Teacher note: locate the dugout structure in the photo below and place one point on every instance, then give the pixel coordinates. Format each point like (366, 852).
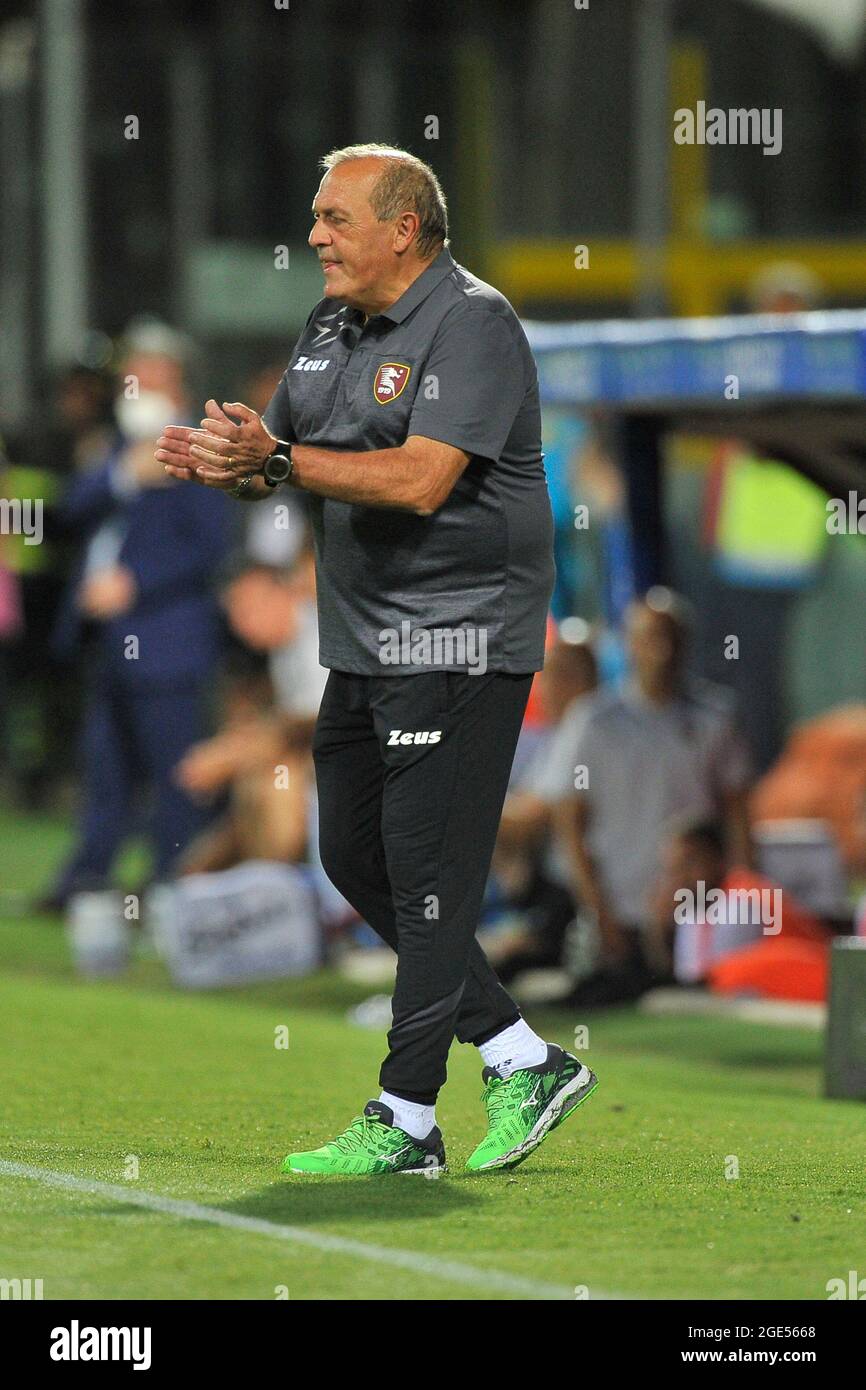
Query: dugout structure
(793, 387)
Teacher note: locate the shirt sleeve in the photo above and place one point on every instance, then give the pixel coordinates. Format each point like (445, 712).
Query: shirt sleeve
(278, 413)
(589, 754)
(553, 776)
(473, 384)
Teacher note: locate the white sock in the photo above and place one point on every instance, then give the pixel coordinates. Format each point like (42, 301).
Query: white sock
(415, 1119)
(515, 1047)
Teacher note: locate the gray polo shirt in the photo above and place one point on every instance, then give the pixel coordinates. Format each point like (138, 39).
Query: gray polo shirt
(450, 361)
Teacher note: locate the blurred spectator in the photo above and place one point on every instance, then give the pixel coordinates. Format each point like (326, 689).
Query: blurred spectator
(266, 774)
(664, 746)
(764, 527)
(140, 609)
(261, 758)
(530, 875)
(80, 418)
(705, 912)
(276, 527)
(41, 703)
(599, 487)
(11, 618)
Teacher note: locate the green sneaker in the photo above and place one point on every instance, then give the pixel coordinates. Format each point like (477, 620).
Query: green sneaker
(373, 1144)
(523, 1109)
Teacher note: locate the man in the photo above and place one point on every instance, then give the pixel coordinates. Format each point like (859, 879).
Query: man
(663, 747)
(410, 416)
(142, 602)
(732, 928)
(529, 868)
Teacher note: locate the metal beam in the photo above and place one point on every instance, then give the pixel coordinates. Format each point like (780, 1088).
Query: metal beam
(65, 304)
(17, 41)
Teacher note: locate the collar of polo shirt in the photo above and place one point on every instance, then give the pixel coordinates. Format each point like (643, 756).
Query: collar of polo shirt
(420, 288)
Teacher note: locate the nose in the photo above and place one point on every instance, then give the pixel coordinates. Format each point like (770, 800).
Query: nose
(318, 236)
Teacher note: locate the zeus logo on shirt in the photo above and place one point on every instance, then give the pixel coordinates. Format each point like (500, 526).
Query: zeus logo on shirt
(423, 736)
(311, 364)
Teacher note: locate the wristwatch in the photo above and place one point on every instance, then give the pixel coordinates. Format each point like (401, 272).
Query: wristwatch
(278, 468)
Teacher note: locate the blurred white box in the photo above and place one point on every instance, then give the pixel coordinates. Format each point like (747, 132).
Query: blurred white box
(802, 856)
(258, 921)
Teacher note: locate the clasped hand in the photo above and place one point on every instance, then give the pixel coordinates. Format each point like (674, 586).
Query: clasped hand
(222, 450)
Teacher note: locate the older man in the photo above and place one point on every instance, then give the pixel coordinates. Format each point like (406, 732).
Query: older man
(409, 413)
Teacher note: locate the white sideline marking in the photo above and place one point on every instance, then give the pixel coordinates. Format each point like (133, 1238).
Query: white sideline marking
(451, 1270)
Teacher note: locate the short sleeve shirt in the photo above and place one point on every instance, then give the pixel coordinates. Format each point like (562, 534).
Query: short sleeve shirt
(551, 776)
(645, 767)
(450, 361)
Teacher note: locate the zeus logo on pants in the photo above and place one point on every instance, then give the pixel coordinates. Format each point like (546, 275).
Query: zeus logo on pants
(424, 736)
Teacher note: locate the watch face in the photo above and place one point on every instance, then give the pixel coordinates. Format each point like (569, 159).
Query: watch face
(277, 468)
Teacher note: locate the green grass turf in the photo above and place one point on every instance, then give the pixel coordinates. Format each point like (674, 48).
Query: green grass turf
(629, 1196)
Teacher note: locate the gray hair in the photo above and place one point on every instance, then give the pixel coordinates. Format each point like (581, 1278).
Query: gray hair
(405, 182)
(150, 335)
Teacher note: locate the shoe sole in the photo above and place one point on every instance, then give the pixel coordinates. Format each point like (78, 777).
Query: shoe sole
(426, 1172)
(563, 1104)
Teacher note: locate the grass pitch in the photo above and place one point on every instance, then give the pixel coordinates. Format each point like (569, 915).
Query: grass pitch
(633, 1195)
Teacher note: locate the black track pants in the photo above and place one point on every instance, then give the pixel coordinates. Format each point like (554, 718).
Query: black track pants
(412, 773)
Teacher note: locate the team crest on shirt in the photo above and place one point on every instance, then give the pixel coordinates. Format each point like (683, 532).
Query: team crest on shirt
(389, 381)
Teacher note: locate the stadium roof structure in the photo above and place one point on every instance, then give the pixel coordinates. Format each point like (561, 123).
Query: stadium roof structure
(793, 386)
(840, 25)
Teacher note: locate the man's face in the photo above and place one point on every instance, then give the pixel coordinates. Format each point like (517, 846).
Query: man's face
(652, 642)
(154, 371)
(355, 249)
(564, 677)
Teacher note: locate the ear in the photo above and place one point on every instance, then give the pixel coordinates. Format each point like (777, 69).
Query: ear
(405, 230)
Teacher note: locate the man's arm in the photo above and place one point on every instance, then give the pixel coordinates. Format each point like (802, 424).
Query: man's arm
(732, 777)
(525, 818)
(571, 822)
(481, 382)
(739, 831)
(414, 477)
(482, 379)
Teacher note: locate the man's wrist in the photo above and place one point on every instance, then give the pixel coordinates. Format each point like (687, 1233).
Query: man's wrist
(247, 489)
(279, 465)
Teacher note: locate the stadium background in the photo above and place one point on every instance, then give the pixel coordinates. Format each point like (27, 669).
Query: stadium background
(155, 158)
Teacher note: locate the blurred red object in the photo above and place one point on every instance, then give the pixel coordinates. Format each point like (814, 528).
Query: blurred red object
(822, 776)
(535, 718)
(794, 969)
